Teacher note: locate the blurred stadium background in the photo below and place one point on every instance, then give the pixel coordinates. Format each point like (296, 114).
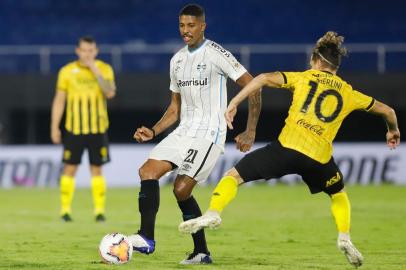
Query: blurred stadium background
(264, 228)
(139, 37)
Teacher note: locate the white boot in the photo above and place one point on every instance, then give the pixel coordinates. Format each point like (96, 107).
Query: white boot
(211, 219)
(352, 254)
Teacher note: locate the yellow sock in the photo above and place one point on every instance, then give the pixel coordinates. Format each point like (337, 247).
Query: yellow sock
(341, 208)
(224, 192)
(99, 194)
(67, 188)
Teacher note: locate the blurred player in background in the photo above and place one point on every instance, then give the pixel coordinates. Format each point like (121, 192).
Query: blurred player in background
(321, 102)
(198, 74)
(83, 86)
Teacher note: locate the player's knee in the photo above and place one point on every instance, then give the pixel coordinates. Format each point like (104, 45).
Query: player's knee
(330, 193)
(180, 193)
(69, 170)
(95, 170)
(234, 173)
(145, 172)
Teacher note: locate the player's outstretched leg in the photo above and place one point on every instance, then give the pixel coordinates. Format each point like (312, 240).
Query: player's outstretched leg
(341, 209)
(200, 255)
(148, 203)
(222, 195)
(182, 190)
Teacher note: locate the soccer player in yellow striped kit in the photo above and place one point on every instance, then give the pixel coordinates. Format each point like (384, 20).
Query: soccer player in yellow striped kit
(83, 87)
(321, 101)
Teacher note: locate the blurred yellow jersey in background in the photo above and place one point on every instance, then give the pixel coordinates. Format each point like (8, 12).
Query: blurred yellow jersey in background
(86, 108)
(321, 101)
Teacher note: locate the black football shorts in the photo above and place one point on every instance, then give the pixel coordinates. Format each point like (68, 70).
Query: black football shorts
(96, 144)
(275, 161)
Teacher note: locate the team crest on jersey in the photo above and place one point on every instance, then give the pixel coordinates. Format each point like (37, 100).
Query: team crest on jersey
(201, 67)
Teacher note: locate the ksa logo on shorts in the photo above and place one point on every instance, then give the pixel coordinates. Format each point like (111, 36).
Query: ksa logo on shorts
(333, 180)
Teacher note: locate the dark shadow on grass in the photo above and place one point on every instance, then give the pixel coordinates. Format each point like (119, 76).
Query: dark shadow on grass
(24, 265)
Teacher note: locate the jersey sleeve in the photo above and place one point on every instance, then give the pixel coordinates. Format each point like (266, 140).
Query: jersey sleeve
(173, 85)
(361, 101)
(290, 79)
(227, 63)
(62, 83)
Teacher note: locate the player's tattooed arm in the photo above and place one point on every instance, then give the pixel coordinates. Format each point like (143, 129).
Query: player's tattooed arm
(274, 79)
(254, 110)
(246, 139)
(108, 87)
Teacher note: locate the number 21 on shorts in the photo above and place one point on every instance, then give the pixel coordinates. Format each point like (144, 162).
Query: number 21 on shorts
(191, 155)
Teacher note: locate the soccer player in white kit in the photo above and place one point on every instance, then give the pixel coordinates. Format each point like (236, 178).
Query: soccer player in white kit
(198, 74)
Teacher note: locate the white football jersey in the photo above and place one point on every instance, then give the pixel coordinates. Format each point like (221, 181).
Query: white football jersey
(200, 76)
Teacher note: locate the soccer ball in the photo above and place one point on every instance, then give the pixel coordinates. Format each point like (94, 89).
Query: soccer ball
(115, 248)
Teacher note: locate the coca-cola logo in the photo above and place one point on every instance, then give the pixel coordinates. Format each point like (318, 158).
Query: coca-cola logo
(313, 128)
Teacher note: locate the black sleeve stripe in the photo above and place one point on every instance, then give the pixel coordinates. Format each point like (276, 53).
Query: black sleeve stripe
(370, 104)
(284, 78)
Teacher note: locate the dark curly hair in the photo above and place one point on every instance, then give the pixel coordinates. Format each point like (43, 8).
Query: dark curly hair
(329, 49)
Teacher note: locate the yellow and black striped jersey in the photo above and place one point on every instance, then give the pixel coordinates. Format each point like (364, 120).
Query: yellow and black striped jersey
(321, 101)
(86, 108)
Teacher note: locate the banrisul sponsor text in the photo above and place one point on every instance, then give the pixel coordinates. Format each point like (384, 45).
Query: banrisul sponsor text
(192, 82)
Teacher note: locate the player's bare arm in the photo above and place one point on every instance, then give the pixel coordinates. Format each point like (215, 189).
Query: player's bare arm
(108, 87)
(389, 115)
(274, 79)
(58, 107)
(246, 139)
(170, 117)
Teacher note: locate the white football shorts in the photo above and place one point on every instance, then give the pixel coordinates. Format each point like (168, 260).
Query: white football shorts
(195, 157)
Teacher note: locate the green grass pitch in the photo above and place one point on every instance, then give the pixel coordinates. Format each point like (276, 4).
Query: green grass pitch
(278, 227)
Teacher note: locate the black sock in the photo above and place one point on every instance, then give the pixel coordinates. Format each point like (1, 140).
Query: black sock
(190, 209)
(148, 204)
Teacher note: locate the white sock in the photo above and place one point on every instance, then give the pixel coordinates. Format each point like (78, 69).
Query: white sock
(344, 236)
(212, 213)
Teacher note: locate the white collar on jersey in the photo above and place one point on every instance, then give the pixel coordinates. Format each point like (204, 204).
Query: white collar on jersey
(193, 50)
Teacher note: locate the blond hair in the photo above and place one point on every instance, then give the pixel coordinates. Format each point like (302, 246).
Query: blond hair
(329, 49)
